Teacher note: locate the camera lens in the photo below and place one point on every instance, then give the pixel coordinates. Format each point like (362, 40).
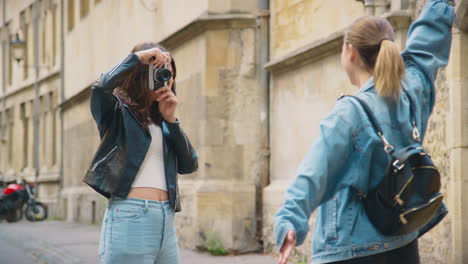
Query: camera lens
(162, 75)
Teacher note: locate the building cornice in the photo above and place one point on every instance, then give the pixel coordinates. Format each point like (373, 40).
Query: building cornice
(208, 22)
(195, 28)
(400, 19)
(309, 53)
(328, 46)
(83, 94)
(25, 85)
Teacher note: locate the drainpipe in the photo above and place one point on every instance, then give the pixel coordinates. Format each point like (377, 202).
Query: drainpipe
(263, 49)
(62, 96)
(36, 91)
(4, 52)
(263, 77)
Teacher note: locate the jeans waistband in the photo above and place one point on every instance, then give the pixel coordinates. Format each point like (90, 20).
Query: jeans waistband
(140, 202)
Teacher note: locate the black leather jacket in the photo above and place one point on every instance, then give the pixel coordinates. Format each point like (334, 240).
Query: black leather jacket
(125, 141)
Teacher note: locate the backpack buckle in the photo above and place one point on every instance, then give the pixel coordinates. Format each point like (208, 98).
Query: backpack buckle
(398, 200)
(387, 147)
(362, 196)
(398, 166)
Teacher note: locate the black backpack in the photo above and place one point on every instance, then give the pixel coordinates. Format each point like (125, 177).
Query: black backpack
(409, 195)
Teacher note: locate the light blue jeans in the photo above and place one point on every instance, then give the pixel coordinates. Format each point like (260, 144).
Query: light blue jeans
(138, 231)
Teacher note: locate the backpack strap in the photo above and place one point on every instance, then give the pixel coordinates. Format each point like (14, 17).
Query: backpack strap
(387, 146)
(416, 135)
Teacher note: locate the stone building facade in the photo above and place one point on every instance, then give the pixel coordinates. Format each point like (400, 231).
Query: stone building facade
(27, 94)
(254, 80)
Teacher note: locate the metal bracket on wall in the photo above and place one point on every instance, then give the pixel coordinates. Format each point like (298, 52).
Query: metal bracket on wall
(375, 7)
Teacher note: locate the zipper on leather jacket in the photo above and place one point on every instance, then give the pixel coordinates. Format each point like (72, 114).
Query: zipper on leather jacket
(104, 158)
(139, 122)
(133, 114)
(115, 68)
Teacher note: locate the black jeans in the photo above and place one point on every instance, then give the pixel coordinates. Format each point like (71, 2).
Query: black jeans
(407, 254)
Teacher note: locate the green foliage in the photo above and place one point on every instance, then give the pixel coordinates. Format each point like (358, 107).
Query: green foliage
(269, 248)
(214, 245)
(298, 258)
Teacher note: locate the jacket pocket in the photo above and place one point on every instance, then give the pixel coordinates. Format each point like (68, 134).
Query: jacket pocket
(331, 233)
(100, 161)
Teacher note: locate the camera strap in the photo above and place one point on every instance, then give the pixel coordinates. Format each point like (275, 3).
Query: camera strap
(150, 77)
(165, 66)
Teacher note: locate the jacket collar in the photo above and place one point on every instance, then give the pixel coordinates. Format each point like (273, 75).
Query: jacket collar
(369, 84)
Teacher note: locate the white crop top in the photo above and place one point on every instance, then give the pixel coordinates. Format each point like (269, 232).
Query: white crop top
(151, 173)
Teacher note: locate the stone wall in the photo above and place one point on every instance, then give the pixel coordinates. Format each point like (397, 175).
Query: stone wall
(219, 110)
(446, 141)
(296, 23)
(300, 99)
(78, 201)
(431, 248)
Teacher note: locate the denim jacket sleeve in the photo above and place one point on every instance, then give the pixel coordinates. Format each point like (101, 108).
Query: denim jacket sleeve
(319, 176)
(187, 158)
(428, 48)
(103, 102)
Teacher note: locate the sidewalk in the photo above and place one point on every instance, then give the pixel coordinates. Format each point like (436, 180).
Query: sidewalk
(57, 242)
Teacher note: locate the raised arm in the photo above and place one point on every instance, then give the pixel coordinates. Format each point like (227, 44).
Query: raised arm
(429, 39)
(102, 101)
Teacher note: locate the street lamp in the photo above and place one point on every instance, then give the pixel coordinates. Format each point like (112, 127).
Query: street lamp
(19, 48)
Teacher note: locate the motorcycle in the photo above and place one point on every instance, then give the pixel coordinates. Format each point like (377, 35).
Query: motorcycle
(14, 198)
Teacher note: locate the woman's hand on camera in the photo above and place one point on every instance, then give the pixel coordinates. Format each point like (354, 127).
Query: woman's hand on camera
(154, 56)
(167, 104)
(288, 246)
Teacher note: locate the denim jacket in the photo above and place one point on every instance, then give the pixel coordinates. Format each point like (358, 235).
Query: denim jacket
(348, 154)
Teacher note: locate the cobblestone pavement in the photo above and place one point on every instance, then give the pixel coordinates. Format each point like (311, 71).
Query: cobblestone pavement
(57, 242)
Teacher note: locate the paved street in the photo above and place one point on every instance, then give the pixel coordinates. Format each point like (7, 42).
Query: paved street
(56, 242)
(13, 254)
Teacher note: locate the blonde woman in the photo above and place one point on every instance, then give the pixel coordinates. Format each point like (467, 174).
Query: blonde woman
(348, 151)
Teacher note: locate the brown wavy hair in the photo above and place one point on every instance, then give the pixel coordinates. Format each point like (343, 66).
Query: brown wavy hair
(135, 90)
(373, 37)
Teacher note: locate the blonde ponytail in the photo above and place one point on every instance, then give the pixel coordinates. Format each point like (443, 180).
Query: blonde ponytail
(373, 39)
(389, 69)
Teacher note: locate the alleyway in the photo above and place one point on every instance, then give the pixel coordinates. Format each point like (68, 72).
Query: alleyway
(57, 242)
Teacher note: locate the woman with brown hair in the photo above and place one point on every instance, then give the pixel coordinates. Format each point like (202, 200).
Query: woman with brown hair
(142, 149)
(348, 158)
